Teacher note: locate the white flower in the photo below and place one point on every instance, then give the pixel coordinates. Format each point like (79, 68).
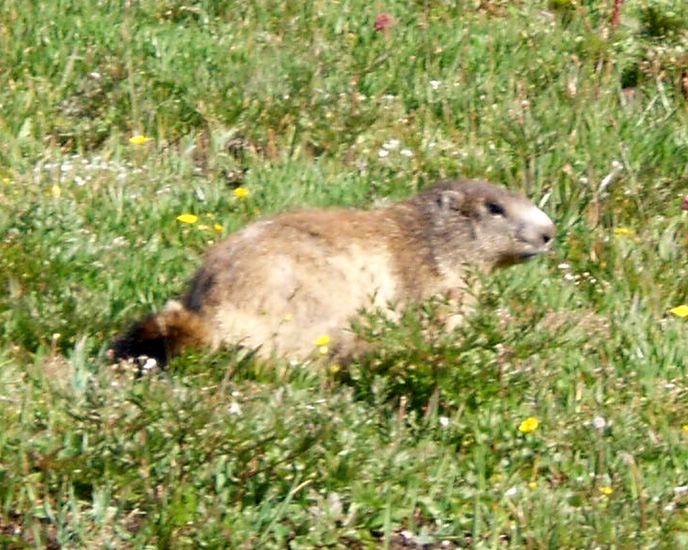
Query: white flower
(382, 153)
(681, 489)
(150, 364)
(408, 535)
(406, 153)
(235, 408)
(392, 144)
(334, 503)
(511, 492)
(599, 423)
(444, 421)
(435, 84)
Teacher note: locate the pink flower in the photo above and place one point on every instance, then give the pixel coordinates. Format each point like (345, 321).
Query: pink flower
(616, 13)
(684, 205)
(383, 22)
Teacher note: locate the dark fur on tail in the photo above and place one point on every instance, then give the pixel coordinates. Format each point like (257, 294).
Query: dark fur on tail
(143, 338)
(160, 336)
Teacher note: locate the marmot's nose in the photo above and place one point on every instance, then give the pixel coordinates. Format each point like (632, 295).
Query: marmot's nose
(538, 228)
(547, 233)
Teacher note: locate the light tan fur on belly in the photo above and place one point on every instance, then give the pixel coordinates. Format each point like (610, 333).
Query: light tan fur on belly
(303, 300)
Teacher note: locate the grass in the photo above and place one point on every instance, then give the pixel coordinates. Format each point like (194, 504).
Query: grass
(307, 104)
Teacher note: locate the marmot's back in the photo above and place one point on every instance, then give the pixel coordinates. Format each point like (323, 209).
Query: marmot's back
(282, 283)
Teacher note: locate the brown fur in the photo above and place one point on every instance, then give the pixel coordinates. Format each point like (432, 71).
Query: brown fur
(281, 283)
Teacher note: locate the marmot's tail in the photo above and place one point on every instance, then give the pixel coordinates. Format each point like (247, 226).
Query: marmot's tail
(161, 336)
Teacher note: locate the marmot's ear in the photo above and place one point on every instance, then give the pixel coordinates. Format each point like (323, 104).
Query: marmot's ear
(451, 199)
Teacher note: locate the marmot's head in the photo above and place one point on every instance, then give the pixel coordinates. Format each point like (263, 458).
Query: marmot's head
(478, 221)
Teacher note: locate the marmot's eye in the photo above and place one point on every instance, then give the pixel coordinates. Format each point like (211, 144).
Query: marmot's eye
(495, 209)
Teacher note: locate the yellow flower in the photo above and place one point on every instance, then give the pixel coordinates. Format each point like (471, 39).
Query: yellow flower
(241, 192)
(680, 311)
(55, 191)
(623, 232)
(530, 424)
(324, 350)
(606, 490)
(322, 340)
(6, 180)
(685, 428)
(139, 139)
(218, 228)
(187, 218)
(532, 485)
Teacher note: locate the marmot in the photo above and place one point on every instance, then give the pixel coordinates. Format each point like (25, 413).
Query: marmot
(288, 284)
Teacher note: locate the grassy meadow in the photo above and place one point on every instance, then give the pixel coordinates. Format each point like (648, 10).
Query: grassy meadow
(556, 418)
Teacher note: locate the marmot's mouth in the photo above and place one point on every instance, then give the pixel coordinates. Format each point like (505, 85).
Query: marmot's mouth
(518, 258)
